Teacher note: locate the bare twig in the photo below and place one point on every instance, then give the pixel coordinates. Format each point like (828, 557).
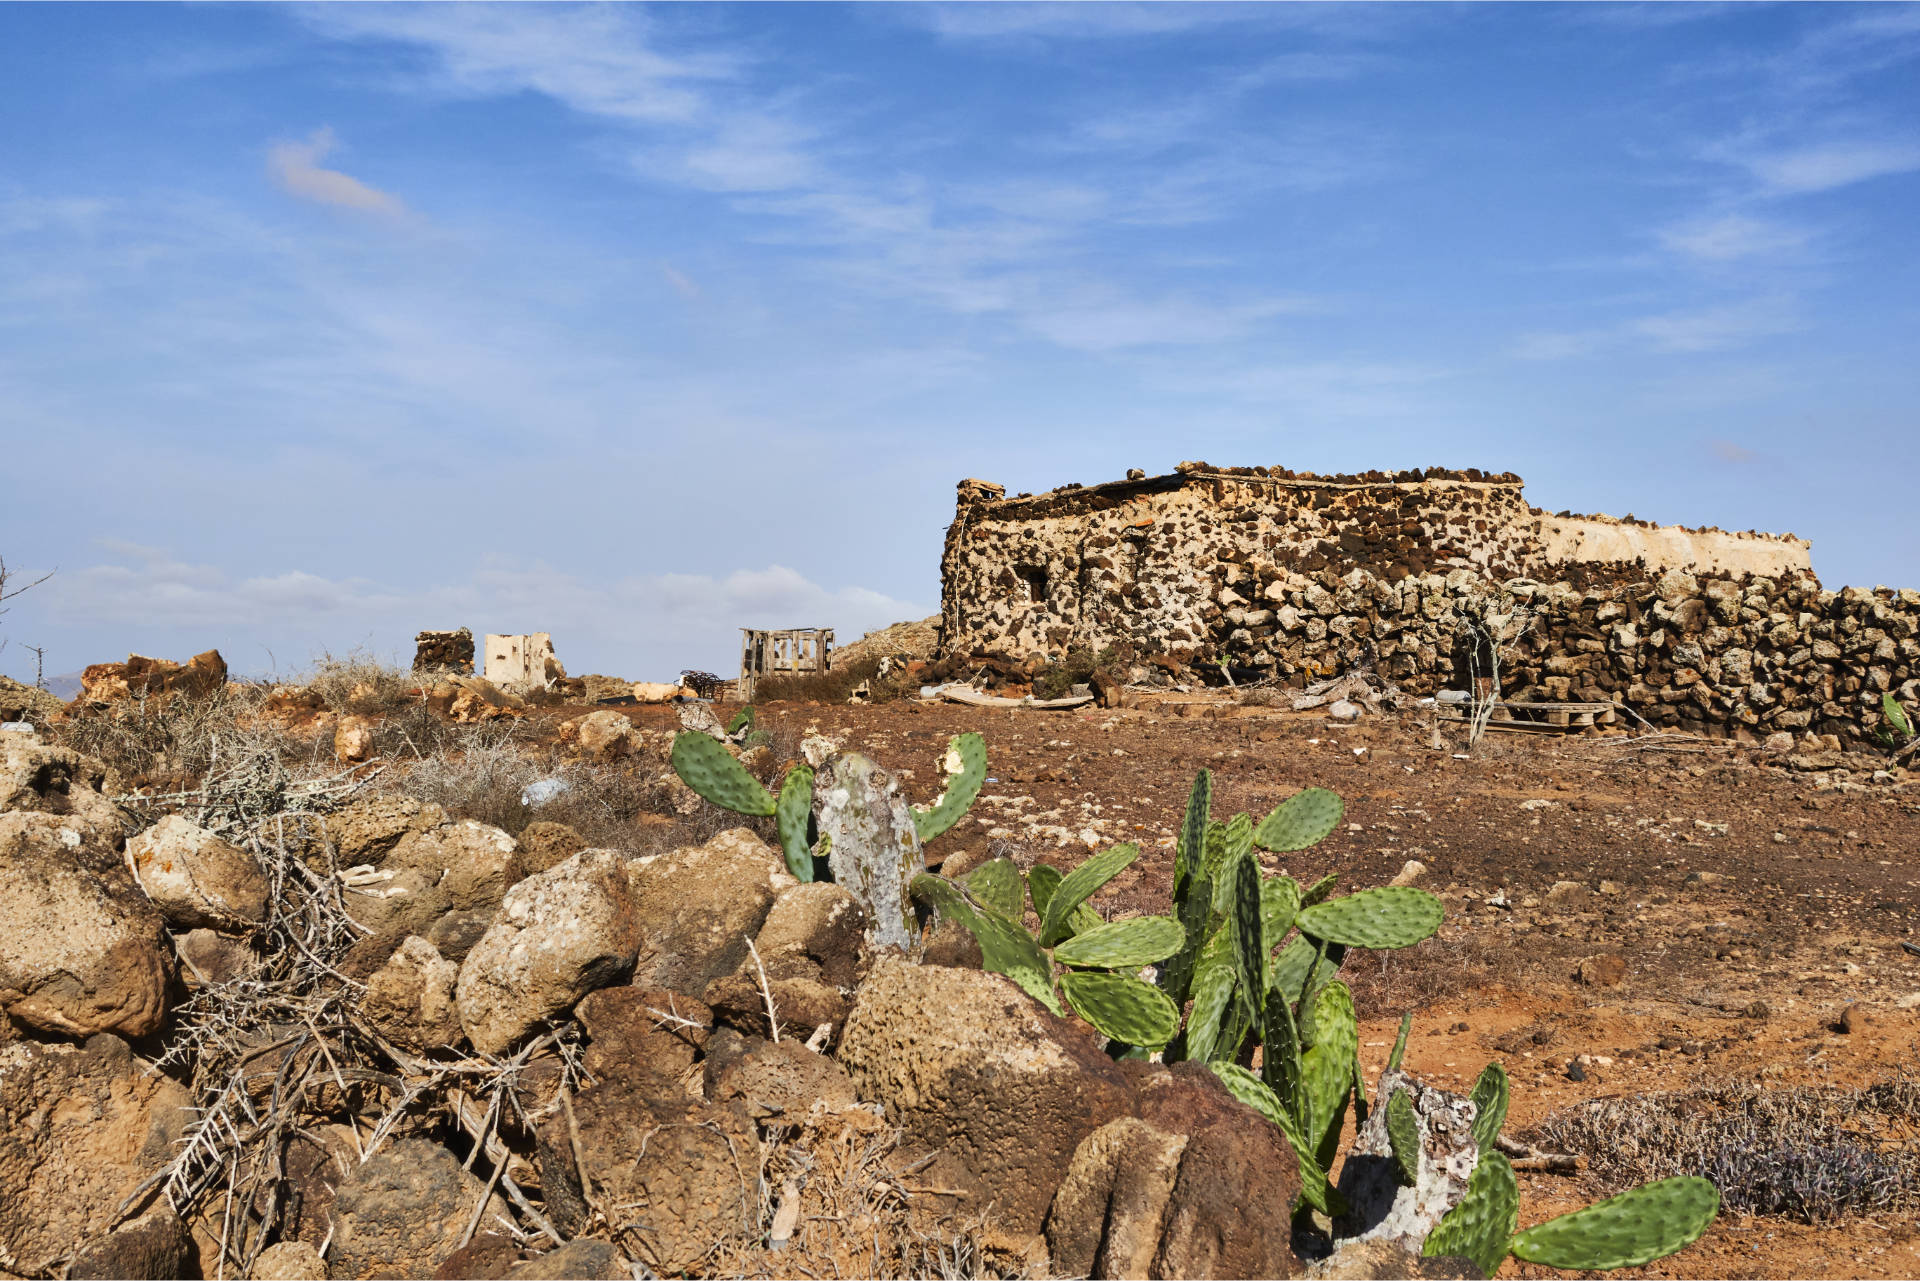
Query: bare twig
(766, 994)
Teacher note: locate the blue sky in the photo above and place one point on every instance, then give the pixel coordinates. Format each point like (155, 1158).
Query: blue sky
(320, 325)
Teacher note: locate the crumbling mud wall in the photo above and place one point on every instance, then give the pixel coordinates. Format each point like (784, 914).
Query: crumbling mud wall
(1262, 572)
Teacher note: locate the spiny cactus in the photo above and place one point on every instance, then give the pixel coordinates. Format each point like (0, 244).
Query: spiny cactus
(1300, 822)
(1490, 1094)
(1392, 916)
(1315, 1190)
(1481, 1226)
(1122, 1007)
(1403, 1131)
(852, 818)
(1098, 956)
(1625, 1231)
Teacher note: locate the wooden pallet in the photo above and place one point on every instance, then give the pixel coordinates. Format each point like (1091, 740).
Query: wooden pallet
(1537, 718)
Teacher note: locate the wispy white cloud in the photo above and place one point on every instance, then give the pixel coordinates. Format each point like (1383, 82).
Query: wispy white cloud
(1728, 451)
(296, 167)
(1719, 327)
(1826, 166)
(1730, 237)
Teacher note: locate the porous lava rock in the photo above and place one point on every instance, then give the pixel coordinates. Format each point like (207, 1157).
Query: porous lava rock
(558, 936)
(964, 1060)
(402, 1211)
(698, 905)
(196, 879)
(410, 998)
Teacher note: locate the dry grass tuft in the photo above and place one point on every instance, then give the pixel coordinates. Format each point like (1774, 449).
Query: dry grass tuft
(1813, 1154)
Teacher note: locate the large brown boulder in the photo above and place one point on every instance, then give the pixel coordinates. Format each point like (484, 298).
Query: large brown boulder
(964, 1060)
(81, 950)
(155, 1246)
(1111, 1208)
(813, 954)
(196, 879)
(141, 676)
(403, 1211)
(557, 937)
(410, 998)
(80, 1129)
(697, 906)
(28, 703)
(1230, 1211)
(365, 831)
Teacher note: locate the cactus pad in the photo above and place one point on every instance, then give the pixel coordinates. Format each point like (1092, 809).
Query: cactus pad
(1302, 820)
(792, 813)
(1213, 980)
(1481, 1226)
(1400, 1042)
(1194, 904)
(1318, 891)
(1249, 933)
(1279, 902)
(1193, 831)
(1389, 917)
(1042, 881)
(742, 719)
(1636, 1227)
(1005, 948)
(996, 885)
(1122, 1007)
(1490, 1095)
(1288, 974)
(1078, 886)
(1326, 1067)
(1118, 945)
(709, 769)
(1403, 1134)
(967, 770)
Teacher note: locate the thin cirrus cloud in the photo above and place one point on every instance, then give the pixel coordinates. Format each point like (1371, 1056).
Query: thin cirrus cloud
(296, 167)
(1732, 237)
(1828, 166)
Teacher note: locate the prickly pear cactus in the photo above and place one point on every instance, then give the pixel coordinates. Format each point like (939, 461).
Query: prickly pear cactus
(1252, 1091)
(1078, 886)
(1636, 1227)
(793, 814)
(1193, 831)
(966, 767)
(1380, 1205)
(875, 847)
(1403, 1135)
(1481, 1226)
(1302, 820)
(996, 884)
(1117, 945)
(1490, 1095)
(1123, 1008)
(705, 765)
(1389, 917)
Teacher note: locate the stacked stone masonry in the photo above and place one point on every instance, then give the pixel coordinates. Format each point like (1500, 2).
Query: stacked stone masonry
(1271, 573)
(450, 652)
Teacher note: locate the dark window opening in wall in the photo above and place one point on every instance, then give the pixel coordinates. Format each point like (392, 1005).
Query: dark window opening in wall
(1036, 581)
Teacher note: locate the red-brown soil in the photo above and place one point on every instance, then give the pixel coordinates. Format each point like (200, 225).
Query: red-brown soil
(1751, 905)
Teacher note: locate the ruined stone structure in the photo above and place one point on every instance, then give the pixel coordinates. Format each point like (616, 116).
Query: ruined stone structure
(444, 652)
(1260, 571)
(523, 660)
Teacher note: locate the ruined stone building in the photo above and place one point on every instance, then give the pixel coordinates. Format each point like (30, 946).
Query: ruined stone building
(1265, 572)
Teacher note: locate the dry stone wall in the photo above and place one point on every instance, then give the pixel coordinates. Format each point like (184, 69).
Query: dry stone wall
(1268, 573)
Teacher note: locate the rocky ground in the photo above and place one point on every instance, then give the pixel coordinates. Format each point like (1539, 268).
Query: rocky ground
(297, 985)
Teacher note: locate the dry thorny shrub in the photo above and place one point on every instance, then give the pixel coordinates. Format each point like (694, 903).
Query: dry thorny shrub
(1815, 1154)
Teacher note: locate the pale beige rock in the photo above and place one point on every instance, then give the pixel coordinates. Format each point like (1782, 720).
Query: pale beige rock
(353, 738)
(464, 866)
(605, 736)
(697, 906)
(659, 692)
(559, 935)
(290, 1261)
(59, 780)
(196, 879)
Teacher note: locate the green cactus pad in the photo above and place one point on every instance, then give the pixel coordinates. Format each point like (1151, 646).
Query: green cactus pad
(1005, 948)
(1195, 907)
(1490, 1094)
(1279, 902)
(709, 769)
(942, 895)
(1239, 836)
(1400, 1043)
(1213, 982)
(997, 885)
(1288, 974)
(1636, 1227)
(1193, 831)
(742, 719)
(1119, 945)
(1250, 1090)
(1318, 891)
(1389, 917)
(1042, 881)
(1359, 1092)
(1078, 886)
(1122, 1007)
(1280, 1050)
(792, 813)
(962, 788)
(1403, 1135)
(1326, 1067)
(1213, 866)
(1249, 933)
(1481, 1226)
(1302, 820)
